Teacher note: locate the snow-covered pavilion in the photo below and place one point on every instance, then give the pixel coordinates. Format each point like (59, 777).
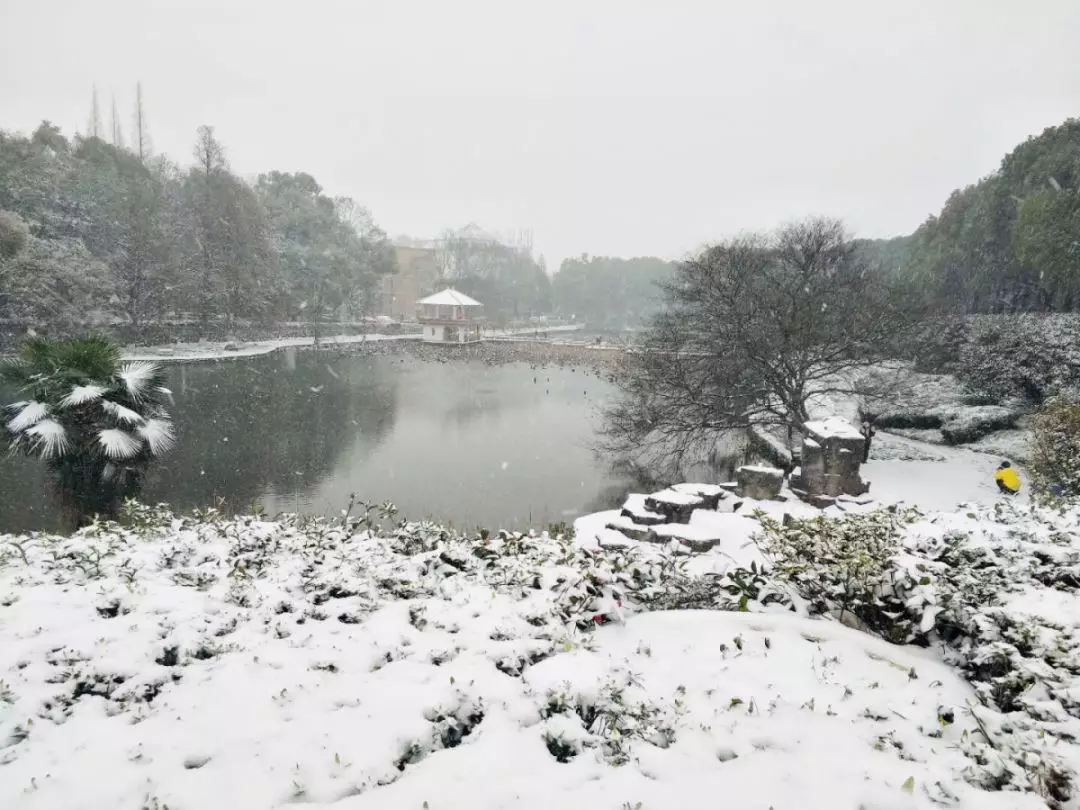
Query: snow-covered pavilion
(449, 317)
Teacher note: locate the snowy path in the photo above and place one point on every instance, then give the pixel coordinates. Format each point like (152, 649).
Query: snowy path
(930, 476)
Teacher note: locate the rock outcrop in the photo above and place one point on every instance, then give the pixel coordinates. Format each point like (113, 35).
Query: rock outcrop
(832, 453)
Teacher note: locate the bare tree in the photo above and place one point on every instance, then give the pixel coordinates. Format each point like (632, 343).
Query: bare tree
(117, 130)
(754, 329)
(94, 124)
(210, 166)
(141, 140)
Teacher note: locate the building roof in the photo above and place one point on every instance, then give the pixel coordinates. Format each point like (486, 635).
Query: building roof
(451, 298)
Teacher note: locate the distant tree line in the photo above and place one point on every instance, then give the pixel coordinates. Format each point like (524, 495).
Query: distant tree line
(99, 231)
(1008, 243)
(610, 293)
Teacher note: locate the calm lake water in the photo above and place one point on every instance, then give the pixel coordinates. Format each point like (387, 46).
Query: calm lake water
(463, 442)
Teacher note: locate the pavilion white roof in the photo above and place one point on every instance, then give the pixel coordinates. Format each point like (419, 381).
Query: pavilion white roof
(450, 298)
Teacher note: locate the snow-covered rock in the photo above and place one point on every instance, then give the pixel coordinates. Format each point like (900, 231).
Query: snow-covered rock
(760, 483)
(635, 509)
(832, 427)
(675, 505)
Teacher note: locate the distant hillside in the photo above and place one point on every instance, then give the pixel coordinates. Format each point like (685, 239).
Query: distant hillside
(1008, 243)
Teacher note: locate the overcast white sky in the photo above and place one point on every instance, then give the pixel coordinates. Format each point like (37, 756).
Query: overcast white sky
(619, 127)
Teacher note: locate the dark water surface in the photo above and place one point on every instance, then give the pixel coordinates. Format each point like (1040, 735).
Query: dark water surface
(462, 442)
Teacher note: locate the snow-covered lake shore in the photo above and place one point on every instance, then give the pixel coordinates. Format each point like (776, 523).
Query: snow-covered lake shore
(180, 352)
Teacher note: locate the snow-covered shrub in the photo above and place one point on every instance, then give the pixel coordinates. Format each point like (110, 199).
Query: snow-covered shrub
(850, 568)
(749, 590)
(610, 721)
(1000, 582)
(971, 423)
(1055, 458)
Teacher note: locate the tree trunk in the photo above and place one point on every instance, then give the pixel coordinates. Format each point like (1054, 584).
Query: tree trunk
(84, 492)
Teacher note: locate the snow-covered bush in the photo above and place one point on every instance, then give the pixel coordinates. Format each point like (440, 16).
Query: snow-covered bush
(851, 569)
(748, 590)
(620, 713)
(1055, 458)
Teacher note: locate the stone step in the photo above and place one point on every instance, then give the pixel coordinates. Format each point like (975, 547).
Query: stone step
(711, 493)
(634, 508)
(633, 530)
(696, 538)
(675, 506)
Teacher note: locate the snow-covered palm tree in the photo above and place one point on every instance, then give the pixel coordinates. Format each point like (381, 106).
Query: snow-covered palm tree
(96, 421)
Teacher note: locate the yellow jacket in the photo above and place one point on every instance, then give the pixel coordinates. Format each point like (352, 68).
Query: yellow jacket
(1009, 479)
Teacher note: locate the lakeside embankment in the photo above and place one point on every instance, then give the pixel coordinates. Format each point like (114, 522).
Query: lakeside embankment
(206, 350)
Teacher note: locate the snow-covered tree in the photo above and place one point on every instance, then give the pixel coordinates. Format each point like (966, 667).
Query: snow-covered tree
(13, 234)
(753, 330)
(54, 281)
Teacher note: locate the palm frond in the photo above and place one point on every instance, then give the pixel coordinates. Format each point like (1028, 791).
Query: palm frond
(118, 444)
(167, 393)
(49, 438)
(94, 358)
(123, 414)
(38, 353)
(159, 435)
(140, 377)
(15, 373)
(30, 414)
(81, 394)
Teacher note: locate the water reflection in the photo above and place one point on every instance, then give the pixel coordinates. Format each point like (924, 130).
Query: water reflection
(463, 442)
(270, 424)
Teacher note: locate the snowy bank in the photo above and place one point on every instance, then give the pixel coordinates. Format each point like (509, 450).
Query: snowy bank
(246, 663)
(179, 352)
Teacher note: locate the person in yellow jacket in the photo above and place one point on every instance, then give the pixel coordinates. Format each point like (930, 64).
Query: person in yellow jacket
(1007, 479)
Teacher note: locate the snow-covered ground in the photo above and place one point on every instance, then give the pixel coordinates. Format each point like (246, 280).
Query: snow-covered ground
(249, 664)
(932, 477)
